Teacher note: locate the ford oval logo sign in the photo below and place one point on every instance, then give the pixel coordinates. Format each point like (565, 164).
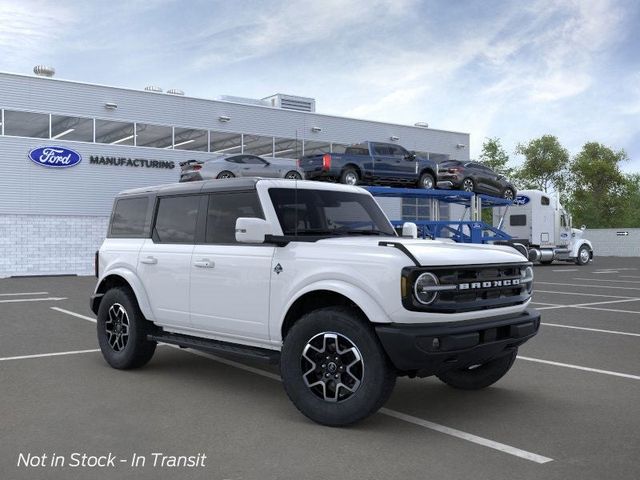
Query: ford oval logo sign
(521, 200)
(55, 157)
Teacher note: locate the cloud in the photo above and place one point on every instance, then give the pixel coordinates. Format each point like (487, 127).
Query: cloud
(30, 28)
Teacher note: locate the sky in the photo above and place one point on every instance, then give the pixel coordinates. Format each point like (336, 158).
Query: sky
(508, 69)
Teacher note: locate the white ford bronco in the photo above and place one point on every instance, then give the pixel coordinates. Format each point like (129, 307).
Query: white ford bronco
(311, 276)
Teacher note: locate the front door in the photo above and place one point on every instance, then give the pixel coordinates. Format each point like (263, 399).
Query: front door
(230, 281)
(165, 260)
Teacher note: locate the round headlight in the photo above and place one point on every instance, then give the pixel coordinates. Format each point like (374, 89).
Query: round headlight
(526, 278)
(423, 288)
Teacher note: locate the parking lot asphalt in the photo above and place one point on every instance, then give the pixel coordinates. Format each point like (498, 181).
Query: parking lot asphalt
(568, 409)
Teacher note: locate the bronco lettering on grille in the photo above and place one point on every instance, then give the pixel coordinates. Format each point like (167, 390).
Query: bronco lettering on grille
(509, 282)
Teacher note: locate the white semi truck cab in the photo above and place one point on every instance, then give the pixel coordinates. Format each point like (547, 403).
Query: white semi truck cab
(538, 221)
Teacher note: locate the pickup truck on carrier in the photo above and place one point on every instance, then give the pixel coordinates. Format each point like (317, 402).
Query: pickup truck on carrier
(310, 275)
(372, 163)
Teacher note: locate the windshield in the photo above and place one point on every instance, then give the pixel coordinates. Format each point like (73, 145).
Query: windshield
(328, 212)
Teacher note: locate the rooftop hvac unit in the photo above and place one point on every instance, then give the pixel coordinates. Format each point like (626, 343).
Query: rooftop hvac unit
(175, 91)
(153, 88)
(44, 71)
(291, 102)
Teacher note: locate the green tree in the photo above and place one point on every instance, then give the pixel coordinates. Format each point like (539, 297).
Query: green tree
(600, 195)
(545, 165)
(495, 157)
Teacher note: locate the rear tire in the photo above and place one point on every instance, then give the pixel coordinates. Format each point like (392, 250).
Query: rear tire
(338, 390)
(468, 185)
(349, 176)
(427, 181)
(122, 330)
(225, 174)
(293, 175)
(478, 377)
(508, 194)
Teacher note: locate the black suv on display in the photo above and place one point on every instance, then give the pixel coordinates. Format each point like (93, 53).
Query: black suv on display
(474, 177)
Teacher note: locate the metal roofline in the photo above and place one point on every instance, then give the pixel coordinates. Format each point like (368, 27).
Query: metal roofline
(164, 94)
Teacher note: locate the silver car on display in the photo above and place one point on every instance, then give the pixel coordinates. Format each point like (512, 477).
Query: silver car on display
(242, 165)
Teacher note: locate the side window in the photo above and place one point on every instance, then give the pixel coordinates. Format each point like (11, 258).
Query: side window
(253, 160)
(235, 159)
(223, 211)
(544, 200)
(381, 149)
(397, 151)
(176, 219)
(129, 216)
(518, 220)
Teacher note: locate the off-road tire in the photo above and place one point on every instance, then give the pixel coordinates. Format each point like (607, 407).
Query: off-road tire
(378, 375)
(481, 376)
(137, 350)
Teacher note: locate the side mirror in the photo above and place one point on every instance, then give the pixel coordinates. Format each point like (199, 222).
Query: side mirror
(410, 156)
(252, 230)
(409, 230)
(583, 227)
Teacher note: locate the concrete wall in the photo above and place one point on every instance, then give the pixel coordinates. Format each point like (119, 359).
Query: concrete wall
(608, 242)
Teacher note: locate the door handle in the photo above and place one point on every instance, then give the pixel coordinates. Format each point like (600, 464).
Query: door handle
(204, 263)
(149, 260)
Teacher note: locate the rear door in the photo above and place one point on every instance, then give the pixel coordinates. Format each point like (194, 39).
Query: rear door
(165, 259)
(383, 161)
(229, 294)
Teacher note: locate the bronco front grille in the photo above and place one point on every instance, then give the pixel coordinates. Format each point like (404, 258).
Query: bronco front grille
(466, 288)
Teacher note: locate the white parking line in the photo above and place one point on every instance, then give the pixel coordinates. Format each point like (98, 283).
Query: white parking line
(400, 416)
(48, 299)
(587, 286)
(553, 306)
(23, 293)
(629, 276)
(579, 367)
(566, 270)
(609, 310)
(606, 280)
(467, 436)
(74, 314)
(55, 354)
(615, 332)
(384, 411)
(583, 294)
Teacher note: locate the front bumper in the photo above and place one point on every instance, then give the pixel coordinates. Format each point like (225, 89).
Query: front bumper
(428, 349)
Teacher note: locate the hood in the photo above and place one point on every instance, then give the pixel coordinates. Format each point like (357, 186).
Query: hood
(441, 253)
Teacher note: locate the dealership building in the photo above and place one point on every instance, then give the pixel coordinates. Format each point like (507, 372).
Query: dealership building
(52, 220)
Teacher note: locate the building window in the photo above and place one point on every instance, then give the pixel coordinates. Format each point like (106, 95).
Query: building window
(190, 139)
(287, 148)
(71, 128)
(156, 136)
(26, 124)
(225, 143)
(257, 145)
(316, 148)
(338, 147)
(115, 133)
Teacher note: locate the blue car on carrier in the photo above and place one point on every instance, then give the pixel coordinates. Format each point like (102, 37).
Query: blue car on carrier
(372, 163)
